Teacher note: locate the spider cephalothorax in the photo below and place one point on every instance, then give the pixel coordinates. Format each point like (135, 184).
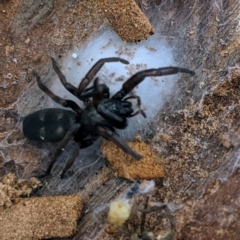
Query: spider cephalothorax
(100, 117)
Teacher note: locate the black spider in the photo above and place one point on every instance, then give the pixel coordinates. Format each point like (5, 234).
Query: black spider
(100, 117)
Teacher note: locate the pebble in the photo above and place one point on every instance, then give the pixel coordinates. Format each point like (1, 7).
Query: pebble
(74, 55)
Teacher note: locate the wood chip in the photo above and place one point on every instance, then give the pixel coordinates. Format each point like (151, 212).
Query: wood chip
(149, 167)
(41, 218)
(127, 19)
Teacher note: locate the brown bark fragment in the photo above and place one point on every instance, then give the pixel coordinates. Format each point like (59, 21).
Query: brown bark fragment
(41, 218)
(149, 167)
(127, 19)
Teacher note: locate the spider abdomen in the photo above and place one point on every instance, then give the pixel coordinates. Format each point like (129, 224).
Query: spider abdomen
(48, 125)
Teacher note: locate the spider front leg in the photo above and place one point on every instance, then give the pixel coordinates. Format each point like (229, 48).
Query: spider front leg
(93, 72)
(55, 98)
(132, 82)
(82, 92)
(62, 78)
(113, 137)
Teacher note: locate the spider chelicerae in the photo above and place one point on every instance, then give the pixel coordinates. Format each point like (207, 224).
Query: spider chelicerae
(101, 115)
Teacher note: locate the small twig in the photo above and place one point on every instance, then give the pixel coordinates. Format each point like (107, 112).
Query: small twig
(147, 210)
(144, 215)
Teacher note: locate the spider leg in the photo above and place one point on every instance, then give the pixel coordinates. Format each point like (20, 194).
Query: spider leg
(139, 105)
(88, 92)
(139, 112)
(113, 137)
(83, 143)
(62, 78)
(139, 102)
(71, 132)
(94, 70)
(63, 102)
(71, 160)
(133, 81)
